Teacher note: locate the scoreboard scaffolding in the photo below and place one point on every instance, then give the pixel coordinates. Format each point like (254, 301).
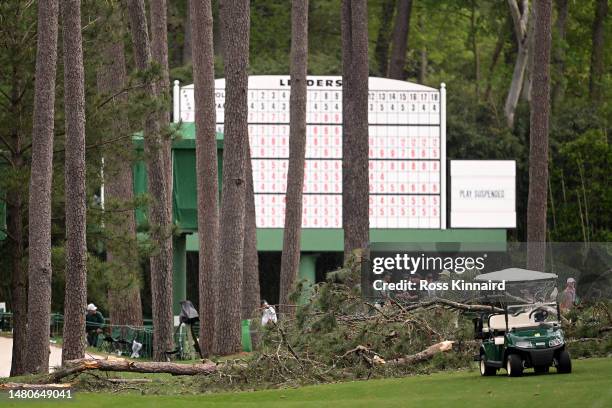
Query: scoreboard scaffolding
(407, 150)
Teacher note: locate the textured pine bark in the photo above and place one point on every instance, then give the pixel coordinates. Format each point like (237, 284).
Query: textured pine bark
(159, 51)
(78, 366)
(160, 216)
(537, 201)
(290, 259)
(206, 168)
(400, 40)
(235, 26)
(125, 307)
(250, 273)
(76, 209)
(39, 267)
(15, 232)
(19, 299)
(355, 180)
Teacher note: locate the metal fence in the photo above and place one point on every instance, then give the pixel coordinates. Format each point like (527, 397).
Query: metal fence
(118, 339)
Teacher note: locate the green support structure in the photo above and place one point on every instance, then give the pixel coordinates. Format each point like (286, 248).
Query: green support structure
(308, 268)
(179, 273)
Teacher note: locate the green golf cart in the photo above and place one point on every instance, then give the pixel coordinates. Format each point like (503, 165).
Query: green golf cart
(522, 331)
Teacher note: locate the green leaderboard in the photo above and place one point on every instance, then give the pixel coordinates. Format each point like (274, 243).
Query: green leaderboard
(408, 177)
(314, 240)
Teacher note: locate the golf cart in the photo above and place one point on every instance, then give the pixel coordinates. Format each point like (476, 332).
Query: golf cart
(526, 332)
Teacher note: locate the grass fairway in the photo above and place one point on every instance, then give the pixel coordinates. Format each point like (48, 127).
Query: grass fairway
(590, 385)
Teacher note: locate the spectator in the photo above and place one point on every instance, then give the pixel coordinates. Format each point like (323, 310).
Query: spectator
(568, 296)
(269, 314)
(94, 321)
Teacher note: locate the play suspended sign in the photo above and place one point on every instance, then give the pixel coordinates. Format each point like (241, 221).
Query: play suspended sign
(407, 150)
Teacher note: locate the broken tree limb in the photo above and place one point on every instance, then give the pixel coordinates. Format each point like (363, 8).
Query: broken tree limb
(23, 386)
(426, 354)
(78, 366)
(129, 380)
(455, 305)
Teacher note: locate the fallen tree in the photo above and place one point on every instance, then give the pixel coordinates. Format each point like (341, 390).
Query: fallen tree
(426, 354)
(27, 386)
(78, 366)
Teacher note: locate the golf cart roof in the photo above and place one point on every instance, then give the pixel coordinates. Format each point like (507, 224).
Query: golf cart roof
(515, 275)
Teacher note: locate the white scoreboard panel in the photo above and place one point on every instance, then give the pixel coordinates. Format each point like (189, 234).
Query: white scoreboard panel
(407, 155)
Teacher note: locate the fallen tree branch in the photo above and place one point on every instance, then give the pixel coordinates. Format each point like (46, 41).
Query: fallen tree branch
(23, 386)
(426, 354)
(455, 305)
(129, 380)
(78, 366)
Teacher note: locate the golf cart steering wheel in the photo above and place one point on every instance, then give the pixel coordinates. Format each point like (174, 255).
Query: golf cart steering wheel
(541, 317)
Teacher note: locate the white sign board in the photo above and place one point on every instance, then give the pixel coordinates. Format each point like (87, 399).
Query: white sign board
(483, 193)
(407, 140)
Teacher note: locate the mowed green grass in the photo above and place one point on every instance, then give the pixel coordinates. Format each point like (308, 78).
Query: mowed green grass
(589, 385)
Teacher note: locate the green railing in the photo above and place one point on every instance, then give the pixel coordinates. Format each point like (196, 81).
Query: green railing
(118, 339)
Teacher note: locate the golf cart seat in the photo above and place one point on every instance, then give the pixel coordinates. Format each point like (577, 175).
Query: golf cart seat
(498, 322)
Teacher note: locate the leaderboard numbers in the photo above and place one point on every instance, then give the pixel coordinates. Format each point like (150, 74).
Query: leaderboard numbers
(404, 211)
(404, 177)
(318, 211)
(325, 176)
(320, 176)
(404, 156)
(325, 107)
(404, 142)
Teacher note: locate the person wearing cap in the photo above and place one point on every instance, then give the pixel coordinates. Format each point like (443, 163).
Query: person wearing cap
(93, 324)
(568, 296)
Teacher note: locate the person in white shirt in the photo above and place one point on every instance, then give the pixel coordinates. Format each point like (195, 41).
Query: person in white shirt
(269, 314)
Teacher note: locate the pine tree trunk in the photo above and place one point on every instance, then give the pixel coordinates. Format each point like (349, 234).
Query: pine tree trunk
(159, 51)
(207, 171)
(520, 18)
(384, 36)
(538, 140)
(124, 301)
(250, 273)
(15, 232)
(235, 26)
(597, 51)
(159, 214)
(75, 298)
(400, 40)
(39, 267)
(19, 300)
(355, 180)
(290, 259)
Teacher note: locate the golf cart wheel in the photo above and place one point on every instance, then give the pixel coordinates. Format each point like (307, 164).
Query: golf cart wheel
(540, 369)
(564, 363)
(514, 365)
(486, 370)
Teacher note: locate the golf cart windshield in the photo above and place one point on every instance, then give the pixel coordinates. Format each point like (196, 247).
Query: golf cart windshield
(523, 286)
(525, 316)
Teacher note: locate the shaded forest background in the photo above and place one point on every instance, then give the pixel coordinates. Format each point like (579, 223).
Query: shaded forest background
(468, 44)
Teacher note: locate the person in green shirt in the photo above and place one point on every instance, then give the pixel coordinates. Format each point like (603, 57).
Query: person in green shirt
(94, 321)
